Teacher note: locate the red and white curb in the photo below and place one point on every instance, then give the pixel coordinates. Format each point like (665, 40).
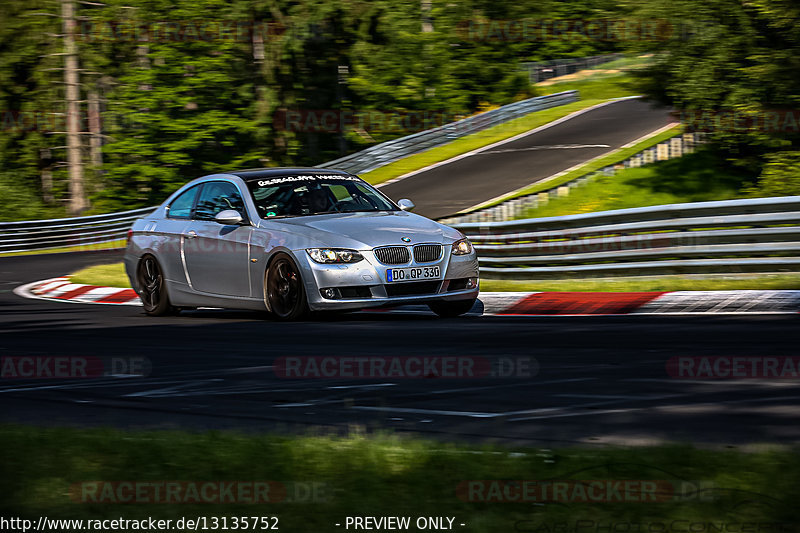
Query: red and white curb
(506, 303)
(60, 289)
(644, 303)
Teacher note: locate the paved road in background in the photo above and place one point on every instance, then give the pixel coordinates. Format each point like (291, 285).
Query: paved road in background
(599, 379)
(469, 181)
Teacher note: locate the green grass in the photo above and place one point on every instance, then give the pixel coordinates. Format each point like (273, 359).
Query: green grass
(627, 63)
(599, 86)
(80, 248)
(692, 178)
(720, 282)
(384, 475)
(113, 275)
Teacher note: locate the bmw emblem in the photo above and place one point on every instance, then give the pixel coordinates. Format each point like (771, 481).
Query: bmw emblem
(405, 239)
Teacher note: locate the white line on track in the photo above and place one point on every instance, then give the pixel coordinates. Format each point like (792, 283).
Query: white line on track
(660, 407)
(719, 382)
(618, 396)
(547, 147)
(366, 386)
(87, 384)
(523, 384)
(478, 414)
(411, 410)
(564, 415)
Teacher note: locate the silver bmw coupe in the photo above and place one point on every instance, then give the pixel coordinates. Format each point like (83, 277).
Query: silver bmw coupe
(292, 241)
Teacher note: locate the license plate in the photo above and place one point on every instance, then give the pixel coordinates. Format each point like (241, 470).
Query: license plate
(394, 275)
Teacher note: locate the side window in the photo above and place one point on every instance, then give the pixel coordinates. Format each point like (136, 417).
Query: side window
(218, 196)
(181, 207)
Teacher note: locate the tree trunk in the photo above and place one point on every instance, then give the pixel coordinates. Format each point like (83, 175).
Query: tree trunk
(77, 201)
(427, 23)
(96, 139)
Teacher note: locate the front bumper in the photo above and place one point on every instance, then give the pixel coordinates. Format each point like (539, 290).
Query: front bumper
(370, 275)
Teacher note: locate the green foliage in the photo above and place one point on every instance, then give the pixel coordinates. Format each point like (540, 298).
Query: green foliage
(19, 202)
(180, 98)
(27, 109)
(781, 175)
(390, 475)
(728, 56)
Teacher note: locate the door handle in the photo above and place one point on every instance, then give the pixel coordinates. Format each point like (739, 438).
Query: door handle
(191, 234)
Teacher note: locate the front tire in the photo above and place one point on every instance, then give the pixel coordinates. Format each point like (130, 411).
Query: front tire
(284, 289)
(452, 309)
(152, 287)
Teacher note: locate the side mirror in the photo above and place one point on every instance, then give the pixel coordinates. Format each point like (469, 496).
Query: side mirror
(228, 217)
(406, 204)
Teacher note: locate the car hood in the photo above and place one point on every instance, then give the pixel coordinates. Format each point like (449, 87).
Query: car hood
(364, 230)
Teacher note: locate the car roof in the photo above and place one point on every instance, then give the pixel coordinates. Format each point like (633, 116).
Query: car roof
(249, 174)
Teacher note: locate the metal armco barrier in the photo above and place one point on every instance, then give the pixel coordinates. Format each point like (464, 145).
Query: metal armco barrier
(753, 235)
(544, 70)
(391, 151)
(67, 232)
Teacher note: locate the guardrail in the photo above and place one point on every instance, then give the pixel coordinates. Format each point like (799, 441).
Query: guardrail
(544, 70)
(67, 232)
(753, 235)
(391, 151)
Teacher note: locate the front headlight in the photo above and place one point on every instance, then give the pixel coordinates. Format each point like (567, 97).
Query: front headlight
(462, 247)
(334, 255)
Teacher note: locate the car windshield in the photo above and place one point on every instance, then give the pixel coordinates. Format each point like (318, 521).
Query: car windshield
(315, 195)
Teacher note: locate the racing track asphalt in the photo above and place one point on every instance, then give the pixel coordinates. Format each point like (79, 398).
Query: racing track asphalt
(600, 379)
(469, 181)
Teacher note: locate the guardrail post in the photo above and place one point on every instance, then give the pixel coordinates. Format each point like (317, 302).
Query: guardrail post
(662, 151)
(688, 143)
(675, 147)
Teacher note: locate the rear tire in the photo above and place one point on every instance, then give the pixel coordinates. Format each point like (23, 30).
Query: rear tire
(452, 309)
(284, 289)
(153, 287)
